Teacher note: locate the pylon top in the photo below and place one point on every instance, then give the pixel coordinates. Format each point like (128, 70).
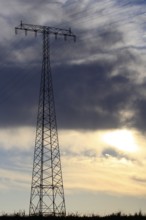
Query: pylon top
(45, 29)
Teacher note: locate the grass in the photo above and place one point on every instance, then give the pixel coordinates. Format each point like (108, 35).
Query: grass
(114, 216)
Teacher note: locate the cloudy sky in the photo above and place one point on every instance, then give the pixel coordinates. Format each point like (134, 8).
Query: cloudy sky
(100, 95)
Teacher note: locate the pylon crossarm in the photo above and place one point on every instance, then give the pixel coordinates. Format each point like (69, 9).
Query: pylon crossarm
(45, 29)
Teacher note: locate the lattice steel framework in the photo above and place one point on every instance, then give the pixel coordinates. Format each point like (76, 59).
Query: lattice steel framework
(47, 192)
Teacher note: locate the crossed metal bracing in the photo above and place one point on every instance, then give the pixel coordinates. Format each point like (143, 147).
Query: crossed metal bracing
(47, 192)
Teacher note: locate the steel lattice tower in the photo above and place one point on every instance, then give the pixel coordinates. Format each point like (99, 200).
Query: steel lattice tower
(47, 192)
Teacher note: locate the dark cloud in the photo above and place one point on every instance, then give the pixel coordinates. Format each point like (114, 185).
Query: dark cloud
(18, 96)
(88, 98)
(91, 96)
(139, 120)
(87, 95)
(92, 81)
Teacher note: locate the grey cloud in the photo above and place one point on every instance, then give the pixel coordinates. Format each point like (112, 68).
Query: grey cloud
(111, 152)
(86, 153)
(130, 2)
(138, 180)
(110, 36)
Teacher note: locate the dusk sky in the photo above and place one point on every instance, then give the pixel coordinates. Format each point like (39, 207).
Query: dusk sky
(100, 96)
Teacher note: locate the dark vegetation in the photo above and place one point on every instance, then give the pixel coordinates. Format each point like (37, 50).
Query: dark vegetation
(114, 216)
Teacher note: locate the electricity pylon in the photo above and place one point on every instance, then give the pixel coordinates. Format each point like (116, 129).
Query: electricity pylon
(47, 192)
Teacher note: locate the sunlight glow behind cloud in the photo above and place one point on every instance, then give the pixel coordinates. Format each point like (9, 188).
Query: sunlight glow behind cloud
(82, 153)
(122, 139)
